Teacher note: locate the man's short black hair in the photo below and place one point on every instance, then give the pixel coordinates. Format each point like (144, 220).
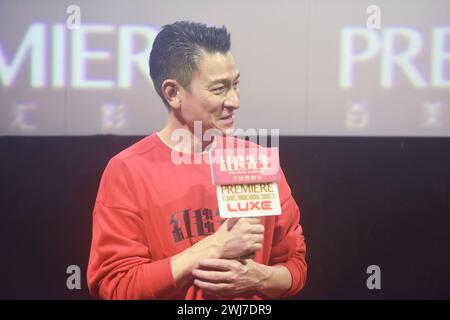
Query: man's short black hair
(177, 50)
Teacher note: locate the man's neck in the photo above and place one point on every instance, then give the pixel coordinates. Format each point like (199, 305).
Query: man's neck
(188, 142)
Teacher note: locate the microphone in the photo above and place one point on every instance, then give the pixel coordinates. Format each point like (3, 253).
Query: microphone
(246, 183)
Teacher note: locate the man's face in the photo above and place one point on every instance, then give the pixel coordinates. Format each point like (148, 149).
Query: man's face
(213, 95)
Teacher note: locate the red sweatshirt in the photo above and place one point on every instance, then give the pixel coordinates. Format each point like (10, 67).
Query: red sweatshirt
(149, 209)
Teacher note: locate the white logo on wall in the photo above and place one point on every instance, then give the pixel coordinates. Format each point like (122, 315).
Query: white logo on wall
(74, 19)
(432, 113)
(113, 116)
(357, 116)
(374, 280)
(67, 65)
(374, 20)
(21, 117)
(74, 280)
(381, 45)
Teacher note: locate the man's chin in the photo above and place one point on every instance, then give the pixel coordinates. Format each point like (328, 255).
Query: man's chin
(229, 130)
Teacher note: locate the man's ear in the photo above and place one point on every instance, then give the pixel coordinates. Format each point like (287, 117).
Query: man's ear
(172, 90)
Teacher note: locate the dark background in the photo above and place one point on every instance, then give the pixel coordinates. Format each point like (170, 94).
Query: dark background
(364, 201)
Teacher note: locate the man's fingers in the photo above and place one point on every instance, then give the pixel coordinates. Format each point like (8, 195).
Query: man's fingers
(255, 223)
(256, 247)
(212, 287)
(257, 238)
(212, 276)
(258, 229)
(218, 264)
(251, 220)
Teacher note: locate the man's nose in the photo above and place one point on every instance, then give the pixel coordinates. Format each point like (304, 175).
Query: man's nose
(232, 100)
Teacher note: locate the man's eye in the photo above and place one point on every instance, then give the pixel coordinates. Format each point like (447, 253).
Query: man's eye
(218, 90)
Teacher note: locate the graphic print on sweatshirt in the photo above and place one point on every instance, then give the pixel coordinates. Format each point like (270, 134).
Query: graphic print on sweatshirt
(194, 224)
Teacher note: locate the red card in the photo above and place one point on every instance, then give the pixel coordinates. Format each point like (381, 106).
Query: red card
(245, 165)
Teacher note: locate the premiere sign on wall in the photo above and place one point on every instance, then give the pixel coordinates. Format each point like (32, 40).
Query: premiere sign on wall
(246, 181)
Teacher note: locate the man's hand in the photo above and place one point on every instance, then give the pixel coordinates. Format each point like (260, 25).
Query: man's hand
(226, 277)
(237, 237)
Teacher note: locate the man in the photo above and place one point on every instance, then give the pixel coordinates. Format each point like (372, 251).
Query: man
(157, 232)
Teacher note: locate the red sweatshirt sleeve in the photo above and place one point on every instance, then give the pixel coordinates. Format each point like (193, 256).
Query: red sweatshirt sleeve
(289, 248)
(120, 263)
